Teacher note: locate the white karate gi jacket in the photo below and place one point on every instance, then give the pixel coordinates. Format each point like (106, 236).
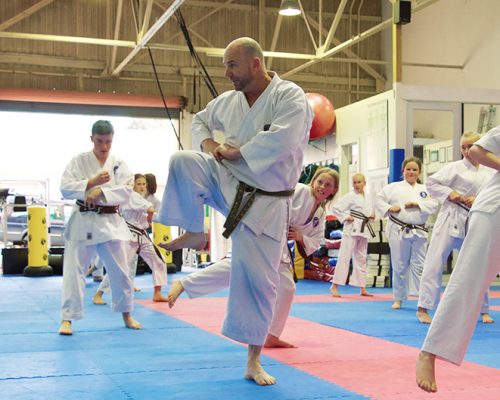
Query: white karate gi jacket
(271, 136)
(89, 227)
(135, 211)
(489, 199)
(399, 193)
(460, 176)
(313, 230)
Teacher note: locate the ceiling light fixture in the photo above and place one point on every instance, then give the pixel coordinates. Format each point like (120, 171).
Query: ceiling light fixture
(289, 8)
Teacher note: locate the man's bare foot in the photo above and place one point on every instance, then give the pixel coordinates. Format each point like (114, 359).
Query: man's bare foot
(136, 289)
(486, 318)
(189, 240)
(423, 316)
(174, 293)
(364, 292)
(275, 342)
(426, 379)
(65, 328)
(97, 278)
(254, 368)
(130, 322)
(261, 377)
(396, 305)
(334, 291)
(97, 299)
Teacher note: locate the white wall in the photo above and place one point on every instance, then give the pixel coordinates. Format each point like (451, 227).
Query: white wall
(355, 125)
(461, 34)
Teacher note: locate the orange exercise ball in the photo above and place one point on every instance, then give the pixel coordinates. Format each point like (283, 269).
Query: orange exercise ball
(324, 116)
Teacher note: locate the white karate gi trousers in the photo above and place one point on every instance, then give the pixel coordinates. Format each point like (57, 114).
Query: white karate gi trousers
(148, 254)
(355, 247)
(77, 257)
(477, 265)
(440, 247)
(196, 179)
(216, 277)
(98, 267)
(407, 261)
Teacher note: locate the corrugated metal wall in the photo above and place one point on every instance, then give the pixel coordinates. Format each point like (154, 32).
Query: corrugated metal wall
(85, 67)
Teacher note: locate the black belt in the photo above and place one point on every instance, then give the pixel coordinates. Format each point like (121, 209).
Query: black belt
(97, 209)
(365, 223)
(407, 227)
(140, 234)
(463, 206)
(241, 205)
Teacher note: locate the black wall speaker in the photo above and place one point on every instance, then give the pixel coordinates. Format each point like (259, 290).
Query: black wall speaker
(401, 12)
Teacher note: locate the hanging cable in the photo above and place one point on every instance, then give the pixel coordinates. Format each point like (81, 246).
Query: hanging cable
(163, 99)
(201, 68)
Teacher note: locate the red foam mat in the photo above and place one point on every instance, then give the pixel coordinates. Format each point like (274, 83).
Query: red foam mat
(376, 368)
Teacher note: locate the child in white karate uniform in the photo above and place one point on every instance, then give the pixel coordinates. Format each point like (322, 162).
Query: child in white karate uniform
(407, 205)
(476, 267)
(455, 186)
(138, 213)
(355, 211)
(307, 225)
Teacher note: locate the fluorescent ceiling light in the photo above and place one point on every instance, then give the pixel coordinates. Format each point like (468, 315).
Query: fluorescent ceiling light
(289, 7)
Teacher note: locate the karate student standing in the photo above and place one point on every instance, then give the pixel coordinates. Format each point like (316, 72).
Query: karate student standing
(306, 226)
(138, 213)
(100, 182)
(455, 186)
(407, 205)
(476, 267)
(355, 211)
(249, 178)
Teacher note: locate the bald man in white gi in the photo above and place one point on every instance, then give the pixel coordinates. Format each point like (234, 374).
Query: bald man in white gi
(455, 186)
(100, 182)
(476, 267)
(266, 122)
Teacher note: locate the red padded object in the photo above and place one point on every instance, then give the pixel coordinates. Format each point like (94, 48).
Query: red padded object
(324, 116)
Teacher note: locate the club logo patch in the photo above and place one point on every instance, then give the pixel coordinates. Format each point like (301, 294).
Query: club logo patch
(423, 194)
(315, 222)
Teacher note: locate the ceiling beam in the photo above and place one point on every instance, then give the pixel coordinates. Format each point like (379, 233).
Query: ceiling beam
(118, 22)
(145, 20)
(148, 35)
(23, 14)
(274, 41)
(333, 27)
(35, 63)
(268, 10)
(364, 65)
(363, 35)
(210, 51)
(303, 13)
(205, 16)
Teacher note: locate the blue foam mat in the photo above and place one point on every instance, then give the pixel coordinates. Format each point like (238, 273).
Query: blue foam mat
(370, 318)
(168, 359)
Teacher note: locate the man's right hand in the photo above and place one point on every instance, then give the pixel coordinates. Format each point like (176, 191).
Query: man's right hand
(100, 179)
(455, 197)
(209, 145)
